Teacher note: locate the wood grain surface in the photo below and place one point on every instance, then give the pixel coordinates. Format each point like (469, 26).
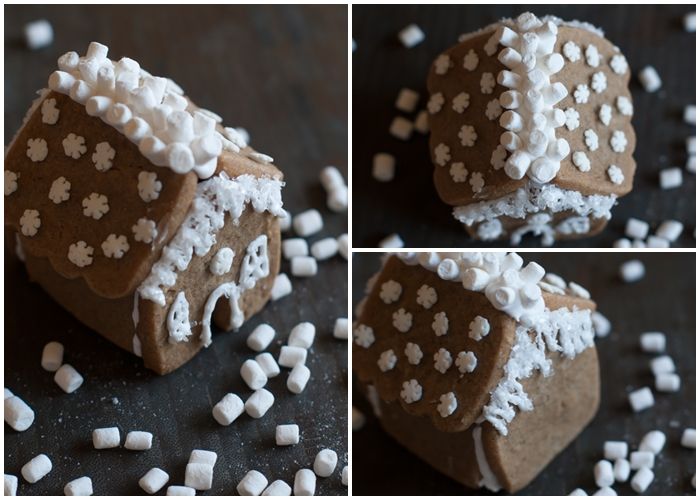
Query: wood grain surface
(280, 72)
(663, 301)
(647, 35)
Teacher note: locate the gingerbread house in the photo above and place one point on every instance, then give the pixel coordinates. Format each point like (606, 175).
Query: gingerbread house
(138, 211)
(484, 368)
(530, 129)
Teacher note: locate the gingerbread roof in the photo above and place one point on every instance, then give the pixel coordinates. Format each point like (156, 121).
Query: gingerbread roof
(442, 350)
(480, 113)
(82, 191)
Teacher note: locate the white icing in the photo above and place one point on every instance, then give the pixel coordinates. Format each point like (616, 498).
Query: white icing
(179, 328)
(222, 261)
(19, 249)
(489, 230)
(488, 479)
(30, 222)
(538, 225)
(572, 225)
(256, 264)
(232, 292)
(135, 310)
(60, 190)
(531, 118)
(136, 346)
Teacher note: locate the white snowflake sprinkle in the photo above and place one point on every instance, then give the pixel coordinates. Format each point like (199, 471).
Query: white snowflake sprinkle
(411, 391)
(103, 156)
(572, 51)
(466, 362)
(390, 292)
(493, 109)
(74, 146)
(95, 206)
(618, 63)
(402, 320)
(49, 112)
(599, 82)
(144, 230)
(435, 103)
(448, 404)
(60, 190)
(479, 328)
(605, 114)
(581, 161)
(443, 360)
(618, 141)
(149, 186)
(624, 105)
(487, 83)
(592, 56)
(440, 324)
(615, 174)
(467, 135)
(471, 60)
(413, 353)
(458, 172)
(581, 93)
(498, 157)
(442, 64)
(460, 102)
(387, 361)
(572, 119)
(442, 154)
(591, 139)
(80, 254)
(30, 222)
(476, 181)
(426, 296)
(37, 149)
(10, 182)
(364, 336)
(115, 246)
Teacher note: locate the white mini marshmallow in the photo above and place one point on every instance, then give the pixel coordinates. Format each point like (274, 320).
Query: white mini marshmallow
(343, 245)
(420, 124)
(261, 337)
(304, 267)
(277, 488)
(281, 287)
(252, 484)
(324, 249)
(253, 374)
(391, 241)
(337, 200)
(304, 483)
(690, 145)
(38, 34)
(107, 437)
(653, 441)
(153, 480)
(228, 409)
(344, 476)
(642, 479)
(302, 335)
(603, 472)
(68, 378)
(138, 440)
(401, 128)
(636, 228)
(670, 178)
(662, 364)
(268, 364)
(650, 79)
(286, 435)
(259, 403)
(383, 167)
(199, 476)
(689, 114)
(407, 100)
(290, 356)
(411, 36)
(621, 470)
(688, 438)
(36, 468)
(632, 270)
(298, 378)
(203, 457)
(612, 450)
(81, 487)
(641, 399)
(578, 492)
(690, 164)
(622, 243)
(8, 393)
(605, 492)
(358, 419)
(180, 491)
(325, 462)
(670, 230)
(331, 179)
(294, 247)
(640, 459)
(10, 485)
(653, 342)
(285, 220)
(18, 414)
(52, 356)
(601, 324)
(689, 22)
(656, 242)
(308, 222)
(340, 330)
(667, 382)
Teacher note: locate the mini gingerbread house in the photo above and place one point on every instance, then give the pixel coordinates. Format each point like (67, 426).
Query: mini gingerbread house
(530, 129)
(483, 368)
(138, 212)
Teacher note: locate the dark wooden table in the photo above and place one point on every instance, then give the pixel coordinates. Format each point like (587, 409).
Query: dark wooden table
(663, 301)
(281, 72)
(409, 205)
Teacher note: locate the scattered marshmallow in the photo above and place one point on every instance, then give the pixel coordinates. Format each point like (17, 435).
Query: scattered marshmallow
(268, 364)
(641, 399)
(281, 287)
(653, 441)
(203, 457)
(621, 470)
(689, 114)
(252, 484)
(10, 485)
(407, 100)
(612, 450)
(304, 483)
(325, 462)
(689, 22)
(667, 382)
(302, 335)
(411, 36)
(153, 480)
(36, 468)
(650, 79)
(68, 378)
(308, 222)
(670, 178)
(324, 249)
(138, 440)
(358, 419)
(670, 230)
(290, 356)
(690, 145)
(391, 241)
(260, 338)
(642, 479)
(298, 378)
(603, 472)
(259, 402)
(107, 437)
(344, 476)
(578, 492)
(605, 492)
(180, 491)
(401, 128)
(199, 476)
(336, 189)
(81, 487)
(631, 271)
(294, 247)
(340, 330)
(38, 34)
(286, 435)
(277, 488)
(641, 459)
(690, 164)
(421, 124)
(656, 242)
(636, 228)
(337, 200)
(601, 324)
(662, 364)
(653, 342)
(688, 438)
(18, 414)
(285, 221)
(343, 245)
(304, 267)
(253, 374)
(52, 356)
(228, 409)
(622, 243)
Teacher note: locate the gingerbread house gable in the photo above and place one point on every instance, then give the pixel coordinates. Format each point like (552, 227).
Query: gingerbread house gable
(449, 337)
